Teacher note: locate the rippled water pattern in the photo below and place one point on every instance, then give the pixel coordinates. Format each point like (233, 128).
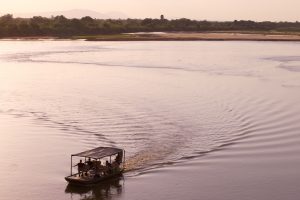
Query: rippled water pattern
(164, 102)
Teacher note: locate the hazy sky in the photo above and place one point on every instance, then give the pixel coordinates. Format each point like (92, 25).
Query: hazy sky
(275, 10)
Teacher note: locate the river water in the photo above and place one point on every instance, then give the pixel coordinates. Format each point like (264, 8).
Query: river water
(198, 120)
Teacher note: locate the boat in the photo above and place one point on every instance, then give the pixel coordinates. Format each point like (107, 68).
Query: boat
(92, 171)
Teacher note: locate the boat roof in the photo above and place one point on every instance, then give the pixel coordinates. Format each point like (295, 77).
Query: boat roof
(99, 152)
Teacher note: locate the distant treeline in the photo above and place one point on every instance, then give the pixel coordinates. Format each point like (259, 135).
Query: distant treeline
(62, 27)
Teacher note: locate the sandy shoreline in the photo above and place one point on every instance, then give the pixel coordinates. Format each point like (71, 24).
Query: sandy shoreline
(177, 36)
(232, 36)
(184, 36)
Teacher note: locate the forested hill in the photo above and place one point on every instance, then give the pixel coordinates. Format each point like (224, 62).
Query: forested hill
(62, 27)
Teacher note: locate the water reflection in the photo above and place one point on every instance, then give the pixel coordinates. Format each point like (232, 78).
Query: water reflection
(106, 190)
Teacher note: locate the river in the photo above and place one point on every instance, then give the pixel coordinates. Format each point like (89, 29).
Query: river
(198, 120)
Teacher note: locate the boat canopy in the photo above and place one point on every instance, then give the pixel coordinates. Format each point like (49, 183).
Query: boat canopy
(99, 152)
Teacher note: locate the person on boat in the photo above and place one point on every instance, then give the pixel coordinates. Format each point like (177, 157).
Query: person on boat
(90, 164)
(80, 168)
(109, 167)
(107, 164)
(119, 158)
(98, 168)
(115, 166)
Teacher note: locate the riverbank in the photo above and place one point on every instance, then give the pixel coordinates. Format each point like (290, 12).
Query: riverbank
(177, 36)
(195, 36)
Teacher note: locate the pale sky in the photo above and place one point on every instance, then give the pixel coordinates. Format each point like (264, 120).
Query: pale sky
(259, 10)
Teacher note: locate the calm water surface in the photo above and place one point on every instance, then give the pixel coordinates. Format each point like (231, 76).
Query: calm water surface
(198, 120)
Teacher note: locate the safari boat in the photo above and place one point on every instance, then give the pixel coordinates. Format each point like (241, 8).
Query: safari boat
(99, 164)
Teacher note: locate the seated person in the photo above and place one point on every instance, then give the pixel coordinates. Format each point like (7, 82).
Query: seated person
(98, 168)
(109, 167)
(107, 164)
(119, 158)
(89, 164)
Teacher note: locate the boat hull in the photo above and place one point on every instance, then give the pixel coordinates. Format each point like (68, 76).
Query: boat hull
(90, 181)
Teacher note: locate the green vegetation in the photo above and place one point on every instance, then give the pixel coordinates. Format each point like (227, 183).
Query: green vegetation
(60, 26)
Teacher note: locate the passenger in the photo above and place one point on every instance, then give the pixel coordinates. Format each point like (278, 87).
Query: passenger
(119, 158)
(98, 168)
(109, 167)
(90, 164)
(115, 166)
(95, 164)
(107, 164)
(99, 164)
(80, 167)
